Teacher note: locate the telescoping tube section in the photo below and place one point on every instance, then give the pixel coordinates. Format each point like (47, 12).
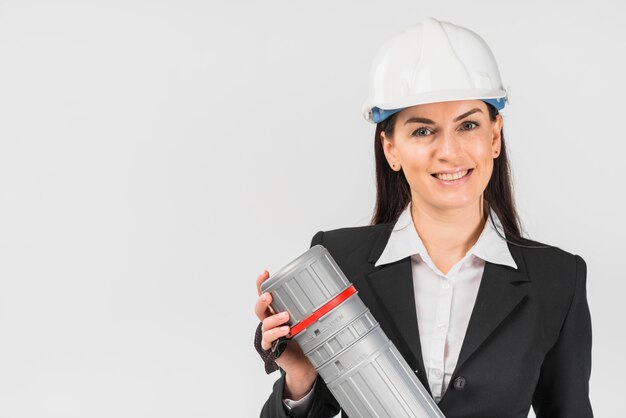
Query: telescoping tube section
(360, 365)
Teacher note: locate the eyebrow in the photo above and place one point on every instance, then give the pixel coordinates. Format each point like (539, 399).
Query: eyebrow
(458, 118)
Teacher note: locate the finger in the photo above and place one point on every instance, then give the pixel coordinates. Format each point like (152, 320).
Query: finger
(274, 320)
(262, 308)
(260, 279)
(273, 334)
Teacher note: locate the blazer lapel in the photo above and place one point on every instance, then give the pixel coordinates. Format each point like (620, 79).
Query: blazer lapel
(392, 285)
(497, 296)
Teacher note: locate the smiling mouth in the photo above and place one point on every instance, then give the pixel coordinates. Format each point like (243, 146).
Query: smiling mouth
(455, 176)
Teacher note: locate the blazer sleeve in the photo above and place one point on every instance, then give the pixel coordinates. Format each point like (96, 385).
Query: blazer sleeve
(563, 386)
(323, 404)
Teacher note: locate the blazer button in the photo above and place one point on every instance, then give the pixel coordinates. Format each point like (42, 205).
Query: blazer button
(459, 383)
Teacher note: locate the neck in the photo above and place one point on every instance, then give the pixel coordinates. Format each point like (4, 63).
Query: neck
(448, 233)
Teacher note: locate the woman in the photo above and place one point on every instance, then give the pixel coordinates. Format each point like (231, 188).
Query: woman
(492, 323)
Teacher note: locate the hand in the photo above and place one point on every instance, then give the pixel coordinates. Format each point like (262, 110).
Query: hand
(301, 373)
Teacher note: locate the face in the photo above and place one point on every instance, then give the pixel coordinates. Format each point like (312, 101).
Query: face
(446, 137)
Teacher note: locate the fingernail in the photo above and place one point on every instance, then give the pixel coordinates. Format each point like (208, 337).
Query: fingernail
(283, 314)
(285, 328)
(264, 297)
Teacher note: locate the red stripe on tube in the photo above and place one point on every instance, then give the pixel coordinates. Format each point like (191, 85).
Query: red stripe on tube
(323, 310)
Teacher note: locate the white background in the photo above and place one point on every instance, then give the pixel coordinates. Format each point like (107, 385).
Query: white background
(157, 156)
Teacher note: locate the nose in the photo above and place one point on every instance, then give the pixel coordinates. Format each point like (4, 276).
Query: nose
(448, 146)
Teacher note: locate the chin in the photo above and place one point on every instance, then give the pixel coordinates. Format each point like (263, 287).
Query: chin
(455, 204)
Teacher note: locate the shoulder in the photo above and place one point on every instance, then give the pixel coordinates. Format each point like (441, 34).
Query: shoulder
(550, 267)
(540, 253)
(342, 241)
(556, 287)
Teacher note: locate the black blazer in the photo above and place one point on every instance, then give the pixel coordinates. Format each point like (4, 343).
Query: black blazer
(528, 341)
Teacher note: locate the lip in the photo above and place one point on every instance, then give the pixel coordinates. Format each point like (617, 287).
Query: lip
(456, 170)
(457, 182)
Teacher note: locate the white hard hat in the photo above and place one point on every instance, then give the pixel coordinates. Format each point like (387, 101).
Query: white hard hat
(432, 61)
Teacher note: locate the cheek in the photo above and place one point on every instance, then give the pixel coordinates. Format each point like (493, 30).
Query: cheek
(417, 162)
(410, 153)
(486, 170)
(481, 152)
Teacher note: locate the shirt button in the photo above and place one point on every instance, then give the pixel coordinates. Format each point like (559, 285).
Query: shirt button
(437, 372)
(445, 285)
(441, 327)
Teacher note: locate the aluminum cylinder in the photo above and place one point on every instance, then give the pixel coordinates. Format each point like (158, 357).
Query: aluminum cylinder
(360, 365)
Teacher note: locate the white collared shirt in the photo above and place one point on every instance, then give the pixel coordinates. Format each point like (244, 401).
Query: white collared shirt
(444, 302)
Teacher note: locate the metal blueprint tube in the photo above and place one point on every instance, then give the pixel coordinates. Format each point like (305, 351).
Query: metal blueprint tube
(360, 365)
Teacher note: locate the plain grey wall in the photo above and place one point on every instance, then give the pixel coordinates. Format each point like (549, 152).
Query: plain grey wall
(157, 156)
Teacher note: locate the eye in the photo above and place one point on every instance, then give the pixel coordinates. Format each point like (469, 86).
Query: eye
(469, 122)
(419, 130)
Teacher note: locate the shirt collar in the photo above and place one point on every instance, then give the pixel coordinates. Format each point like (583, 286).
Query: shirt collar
(404, 241)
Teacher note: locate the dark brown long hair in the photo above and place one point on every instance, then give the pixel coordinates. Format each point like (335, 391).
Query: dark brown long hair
(393, 192)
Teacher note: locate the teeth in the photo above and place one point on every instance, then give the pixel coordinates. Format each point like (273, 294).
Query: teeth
(454, 176)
